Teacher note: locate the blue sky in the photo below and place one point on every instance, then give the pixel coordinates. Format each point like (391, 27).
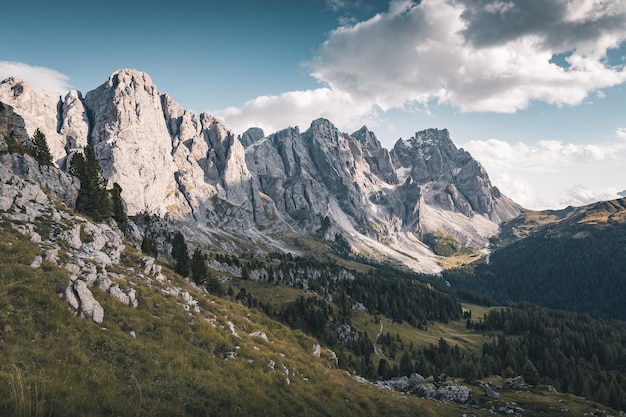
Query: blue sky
(534, 89)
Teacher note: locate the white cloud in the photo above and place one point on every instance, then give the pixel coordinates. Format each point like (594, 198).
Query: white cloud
(438, 50)
(39, 77)
(299, 108)
(475, 55)
(536, 175)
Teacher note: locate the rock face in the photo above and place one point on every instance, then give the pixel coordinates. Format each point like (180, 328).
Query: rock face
(321, 182)
(40, 110)
(451, 178)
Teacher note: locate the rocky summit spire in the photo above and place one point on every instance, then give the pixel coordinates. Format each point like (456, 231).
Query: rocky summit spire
(450, 177)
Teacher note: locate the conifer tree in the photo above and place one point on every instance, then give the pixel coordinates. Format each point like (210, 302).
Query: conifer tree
(119, 213)
(93, 198)
(199, 270)
(148, 246)
(41, 149)
(180, 255)
(530, 374)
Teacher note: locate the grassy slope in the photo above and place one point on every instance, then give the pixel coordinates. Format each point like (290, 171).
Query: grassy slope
(53, 363)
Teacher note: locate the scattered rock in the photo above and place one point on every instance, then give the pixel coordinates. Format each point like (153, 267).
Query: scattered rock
(117, 293)
(231, 326)
(333, 358)
(36, 263)
(71, 297)
(35, 237)
(89, 306)
(51, 255)
(104, 283)
(260, 335)
(72, 237)
(517, 383)
(416, 379)
(317, 350)
(490, 393)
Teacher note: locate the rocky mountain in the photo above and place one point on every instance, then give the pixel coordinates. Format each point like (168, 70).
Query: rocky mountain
(320, 183)
(79, 294)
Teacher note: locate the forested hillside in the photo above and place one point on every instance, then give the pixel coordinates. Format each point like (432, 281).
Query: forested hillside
(577, 264)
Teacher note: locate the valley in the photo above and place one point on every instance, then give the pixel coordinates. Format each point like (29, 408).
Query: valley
(298, 273)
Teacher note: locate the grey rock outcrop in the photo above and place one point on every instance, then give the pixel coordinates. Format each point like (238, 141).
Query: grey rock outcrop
(132, 143)
(39, 109)
(454, 394)
(12, 126)
(448, 391)
(251, 136)
(81, 298)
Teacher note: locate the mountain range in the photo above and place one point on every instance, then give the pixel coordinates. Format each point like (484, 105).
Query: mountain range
(263, 190)
(305, 252)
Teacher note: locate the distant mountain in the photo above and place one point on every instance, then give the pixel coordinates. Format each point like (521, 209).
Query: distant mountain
(623, 193)
(571, 259)
(262, 191)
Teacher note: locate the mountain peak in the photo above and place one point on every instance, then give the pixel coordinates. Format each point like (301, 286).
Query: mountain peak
(453, 179)
(131, 79)
(367, 138)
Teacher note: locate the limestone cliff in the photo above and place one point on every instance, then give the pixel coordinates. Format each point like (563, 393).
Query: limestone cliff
(320, 183)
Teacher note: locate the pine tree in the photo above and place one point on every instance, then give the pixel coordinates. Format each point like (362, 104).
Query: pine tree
(93, 198)
(383, 369)
(119, 213)
(180, 255)
(41, 149)
(199, 270)
(530, 374)
(148, 246)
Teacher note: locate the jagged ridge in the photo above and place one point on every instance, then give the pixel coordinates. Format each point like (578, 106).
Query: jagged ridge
(320, 183)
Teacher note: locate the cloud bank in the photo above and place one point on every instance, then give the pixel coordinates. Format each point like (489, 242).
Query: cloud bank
(38, 77)
(473, 55)
(553, 174)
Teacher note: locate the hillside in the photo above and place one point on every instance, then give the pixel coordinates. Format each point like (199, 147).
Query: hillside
(572, 259)
(183, 351)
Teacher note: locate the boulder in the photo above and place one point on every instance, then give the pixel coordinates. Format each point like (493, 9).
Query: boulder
(89, 306)
(260, 335)
(415, 380)
(454, 393)
(490, 393)
(317, 350)
(36, 263)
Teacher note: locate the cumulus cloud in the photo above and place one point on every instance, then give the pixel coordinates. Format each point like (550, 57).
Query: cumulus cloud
(476, 55)
(299, 108)
(39, 77)
(536, 175)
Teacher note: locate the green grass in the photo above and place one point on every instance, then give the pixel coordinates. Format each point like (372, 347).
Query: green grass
(53, 363)
(454, 332)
